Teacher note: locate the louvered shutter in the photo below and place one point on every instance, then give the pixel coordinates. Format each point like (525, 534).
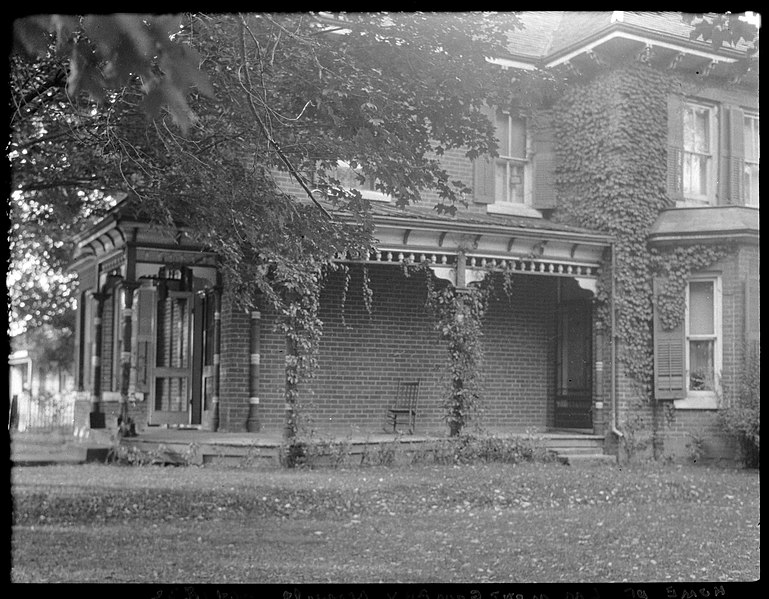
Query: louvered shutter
(483, 171)
(544, 166)
(675, 179)
(668, 356)
(735, 161)
(145, 337)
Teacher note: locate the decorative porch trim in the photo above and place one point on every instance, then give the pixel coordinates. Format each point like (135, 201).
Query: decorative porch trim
(442, 260)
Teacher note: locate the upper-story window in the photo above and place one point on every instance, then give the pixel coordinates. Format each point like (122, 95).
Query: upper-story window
(511, 175)
(699, 137)
(520, 180)
(752, 156)
(356, 178)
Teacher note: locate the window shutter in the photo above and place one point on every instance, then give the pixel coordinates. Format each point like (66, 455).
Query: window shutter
(483, 180)
(752, 311)
(735, 160)
(544, 167)
(145, 337)
(675, 180)
(483, 170)
(668, 356)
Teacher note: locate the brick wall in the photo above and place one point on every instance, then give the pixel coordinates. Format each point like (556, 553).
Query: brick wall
(363, 356)
(234, 366)
(678, 428)
(454, 161)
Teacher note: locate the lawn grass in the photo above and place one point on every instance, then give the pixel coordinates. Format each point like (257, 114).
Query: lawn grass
(472, 523)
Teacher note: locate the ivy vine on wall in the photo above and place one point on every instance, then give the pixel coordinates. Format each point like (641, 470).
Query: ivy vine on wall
(676, 265)
(611, 176)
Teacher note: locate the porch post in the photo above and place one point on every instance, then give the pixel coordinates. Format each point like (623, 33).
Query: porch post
(217, 357)
(290, 424)
(125, 424)
(252, 424)
(96, 417)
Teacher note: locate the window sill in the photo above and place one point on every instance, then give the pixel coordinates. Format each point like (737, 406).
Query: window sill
(707, 401)
(375, 196)
(514, 210)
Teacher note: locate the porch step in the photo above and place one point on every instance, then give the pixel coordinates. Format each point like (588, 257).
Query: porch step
(223, 454)
(562, 442)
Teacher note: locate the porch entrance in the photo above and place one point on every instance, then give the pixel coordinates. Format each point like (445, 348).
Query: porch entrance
(174, 336)
(574, 358)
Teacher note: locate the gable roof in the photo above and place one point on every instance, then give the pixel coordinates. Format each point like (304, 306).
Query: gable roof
(548, 34)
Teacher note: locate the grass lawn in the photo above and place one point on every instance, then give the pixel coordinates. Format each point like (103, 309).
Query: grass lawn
(473, 523)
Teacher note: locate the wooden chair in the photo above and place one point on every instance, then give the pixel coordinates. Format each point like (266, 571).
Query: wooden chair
(405, 404)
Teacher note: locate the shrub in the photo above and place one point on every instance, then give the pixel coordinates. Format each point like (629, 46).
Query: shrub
(742, 417)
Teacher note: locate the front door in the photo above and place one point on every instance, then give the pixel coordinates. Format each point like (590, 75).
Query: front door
(574, 381)
(173, 386)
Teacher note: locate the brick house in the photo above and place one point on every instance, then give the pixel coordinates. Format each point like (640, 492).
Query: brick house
(156, 326)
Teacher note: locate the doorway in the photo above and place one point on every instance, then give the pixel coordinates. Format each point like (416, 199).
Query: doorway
(174, 316)
(574, 358)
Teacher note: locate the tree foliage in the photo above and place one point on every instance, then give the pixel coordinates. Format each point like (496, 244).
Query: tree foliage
(195, 114)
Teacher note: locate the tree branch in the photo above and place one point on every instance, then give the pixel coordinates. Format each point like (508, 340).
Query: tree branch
(255, 113)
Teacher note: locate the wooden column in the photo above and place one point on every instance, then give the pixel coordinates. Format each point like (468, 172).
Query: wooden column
(126, 424)
(252, 424)
(96, 417)
(217, 357)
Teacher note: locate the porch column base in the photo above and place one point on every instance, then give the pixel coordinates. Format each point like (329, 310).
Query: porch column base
(211, 417)
(252, 424)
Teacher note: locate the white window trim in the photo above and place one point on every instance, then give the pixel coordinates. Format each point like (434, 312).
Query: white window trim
(704, 400)
(751, 115)
(708, 199)
(518, 208)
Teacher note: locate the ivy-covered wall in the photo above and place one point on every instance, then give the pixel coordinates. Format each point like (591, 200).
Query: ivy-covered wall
(611, 175)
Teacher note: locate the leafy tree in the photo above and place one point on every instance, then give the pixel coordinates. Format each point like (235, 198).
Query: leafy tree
(293, 92)
(202, 118)
(728, 29)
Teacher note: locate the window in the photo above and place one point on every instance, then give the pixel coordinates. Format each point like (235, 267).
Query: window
(519, 181)
(350, 178)
(703, 361)
(698, 145)
(511, 185)
(752, 156)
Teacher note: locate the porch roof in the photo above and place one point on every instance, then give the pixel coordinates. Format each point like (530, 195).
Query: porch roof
(467, 241)
(464, 247)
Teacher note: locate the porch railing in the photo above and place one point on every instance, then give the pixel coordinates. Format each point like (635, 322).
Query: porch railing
(43, 414)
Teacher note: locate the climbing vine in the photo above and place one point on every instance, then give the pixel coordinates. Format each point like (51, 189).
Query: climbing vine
(676, 266)
(612, 174)
(458, 319)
